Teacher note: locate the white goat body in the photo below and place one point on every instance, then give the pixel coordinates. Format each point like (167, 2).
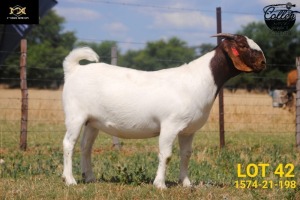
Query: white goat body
(129, 103)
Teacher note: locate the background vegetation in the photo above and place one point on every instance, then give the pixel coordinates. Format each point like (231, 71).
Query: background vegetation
(48, 44)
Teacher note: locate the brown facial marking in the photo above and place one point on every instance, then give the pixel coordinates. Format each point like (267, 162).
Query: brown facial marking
(222, 67)
(234, 56)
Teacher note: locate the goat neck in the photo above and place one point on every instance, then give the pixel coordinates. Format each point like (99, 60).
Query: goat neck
(222, 67)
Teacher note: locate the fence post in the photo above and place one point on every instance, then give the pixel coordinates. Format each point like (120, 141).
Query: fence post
(24, 93)
(221, 98)
(298, 104)
(114, 60)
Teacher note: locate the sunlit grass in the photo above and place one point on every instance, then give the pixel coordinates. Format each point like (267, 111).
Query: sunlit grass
(129, 173)
(36, 173)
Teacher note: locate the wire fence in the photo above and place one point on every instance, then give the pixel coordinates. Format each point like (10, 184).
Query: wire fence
(244, 112)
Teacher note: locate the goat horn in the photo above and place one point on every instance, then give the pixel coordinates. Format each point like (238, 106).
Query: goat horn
(224, 35)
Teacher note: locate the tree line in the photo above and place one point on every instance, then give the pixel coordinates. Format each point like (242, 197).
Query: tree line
(48, 45)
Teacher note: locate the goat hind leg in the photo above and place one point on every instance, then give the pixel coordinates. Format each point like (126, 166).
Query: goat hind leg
(70, 139)
(88, 139)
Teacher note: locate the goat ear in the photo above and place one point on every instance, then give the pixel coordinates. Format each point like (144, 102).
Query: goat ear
(234, 54)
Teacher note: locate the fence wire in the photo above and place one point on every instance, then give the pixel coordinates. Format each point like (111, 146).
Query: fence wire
(243, 111)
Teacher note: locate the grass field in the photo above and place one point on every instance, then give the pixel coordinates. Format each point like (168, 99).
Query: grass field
(255, 133)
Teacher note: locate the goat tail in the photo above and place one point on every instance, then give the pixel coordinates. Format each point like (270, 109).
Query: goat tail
(71, 62)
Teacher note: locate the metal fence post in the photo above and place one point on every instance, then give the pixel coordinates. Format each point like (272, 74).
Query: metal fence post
(298, 104)
(221, 98)
(24, 93)
(114, 60)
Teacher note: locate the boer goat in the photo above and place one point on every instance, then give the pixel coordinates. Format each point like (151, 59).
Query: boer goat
(135, 104)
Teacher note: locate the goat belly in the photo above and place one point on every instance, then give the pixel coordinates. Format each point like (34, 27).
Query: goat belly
(126, 130)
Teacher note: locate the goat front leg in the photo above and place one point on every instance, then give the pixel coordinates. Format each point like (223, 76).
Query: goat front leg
(166, 139)
(185, 144)
(88, 139)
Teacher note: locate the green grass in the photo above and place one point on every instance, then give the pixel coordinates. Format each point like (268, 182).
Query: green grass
(129, 173)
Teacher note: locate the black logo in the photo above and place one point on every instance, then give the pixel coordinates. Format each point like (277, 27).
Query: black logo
(280, 17)
(19, 12)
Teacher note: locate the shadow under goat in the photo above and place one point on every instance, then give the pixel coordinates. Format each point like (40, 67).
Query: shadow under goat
(133, 104)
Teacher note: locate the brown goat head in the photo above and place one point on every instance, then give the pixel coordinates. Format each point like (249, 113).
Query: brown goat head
(245, 54)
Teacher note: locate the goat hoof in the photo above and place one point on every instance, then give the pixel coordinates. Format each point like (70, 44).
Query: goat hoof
(186, 183)
(69, 181)
(159, 184)
(88, 178)
(161, 187)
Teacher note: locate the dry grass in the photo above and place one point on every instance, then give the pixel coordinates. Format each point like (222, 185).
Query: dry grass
(44, 107)
(255, 132)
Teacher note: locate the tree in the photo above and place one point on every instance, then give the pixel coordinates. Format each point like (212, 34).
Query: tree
(205, 48)
(158, 55)
(47, 46)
